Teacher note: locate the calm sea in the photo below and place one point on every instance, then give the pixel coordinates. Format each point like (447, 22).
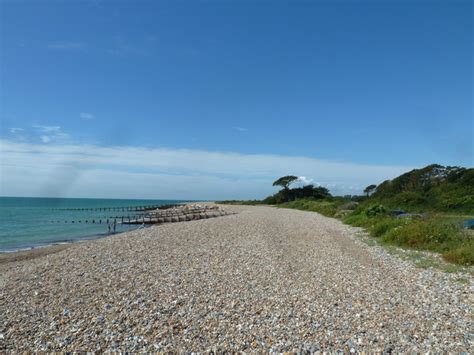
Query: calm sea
(33, 222)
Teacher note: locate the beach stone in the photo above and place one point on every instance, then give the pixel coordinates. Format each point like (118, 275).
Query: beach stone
(262, 280)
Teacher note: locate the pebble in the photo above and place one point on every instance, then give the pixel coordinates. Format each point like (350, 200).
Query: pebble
(263, 279)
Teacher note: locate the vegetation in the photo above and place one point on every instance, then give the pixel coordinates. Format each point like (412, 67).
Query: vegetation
(241, 202)
(432, 232)
(306, 192)
(390, 211)
(432, 188)
(327, 207)
(370, 189)
(285, 181)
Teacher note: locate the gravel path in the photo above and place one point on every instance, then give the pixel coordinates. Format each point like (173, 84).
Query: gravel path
(262, 279)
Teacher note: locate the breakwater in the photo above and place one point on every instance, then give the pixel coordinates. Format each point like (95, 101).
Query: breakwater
(29, 222)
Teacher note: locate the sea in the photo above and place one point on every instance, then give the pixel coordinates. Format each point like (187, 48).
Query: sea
(32, 222)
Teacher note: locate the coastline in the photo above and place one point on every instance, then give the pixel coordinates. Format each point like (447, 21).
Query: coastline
(28, 223)
(22, 255)
(36, 251)
(241, 282)
(45, 248)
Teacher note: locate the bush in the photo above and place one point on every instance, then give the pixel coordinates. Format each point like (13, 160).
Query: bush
(409, 199)
(385, 224)
(429, 234)
(357, 219)
(375, 210)
(463, 255)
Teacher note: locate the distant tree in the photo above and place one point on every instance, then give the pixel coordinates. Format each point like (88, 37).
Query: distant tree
(370, 189)
(285, 181)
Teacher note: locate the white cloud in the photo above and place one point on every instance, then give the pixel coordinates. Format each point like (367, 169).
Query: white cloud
(131, 172)
(16, 130)
(50, 134)
(304, 180)
(45, 139)
(86, 115)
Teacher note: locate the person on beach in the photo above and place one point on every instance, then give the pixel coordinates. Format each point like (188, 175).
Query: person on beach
(114, 225)
(108, 226)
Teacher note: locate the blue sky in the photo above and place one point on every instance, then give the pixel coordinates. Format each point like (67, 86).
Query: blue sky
(354, 91)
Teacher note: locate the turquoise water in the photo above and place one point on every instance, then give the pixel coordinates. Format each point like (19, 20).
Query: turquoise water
(32, 222)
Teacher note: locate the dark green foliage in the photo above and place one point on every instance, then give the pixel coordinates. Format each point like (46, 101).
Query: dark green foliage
(285, 181)
(309, 191)
(375, 210)
(433, 188)
(370, 189)
(305, 192)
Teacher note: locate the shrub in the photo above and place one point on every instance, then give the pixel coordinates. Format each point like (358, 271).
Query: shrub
(375, 210)
(463, 255)
(429, 234)
(357, 219)
(385, 224)
(409, 199)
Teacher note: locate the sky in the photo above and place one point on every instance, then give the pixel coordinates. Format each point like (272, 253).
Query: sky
(216, 99)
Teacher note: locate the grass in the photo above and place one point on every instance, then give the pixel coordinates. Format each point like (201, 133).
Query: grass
(425, 260)
(327, 208)
(432, 233)
(420, 259)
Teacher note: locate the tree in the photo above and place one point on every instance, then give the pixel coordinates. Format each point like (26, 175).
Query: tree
(285, 181)
(370, 189)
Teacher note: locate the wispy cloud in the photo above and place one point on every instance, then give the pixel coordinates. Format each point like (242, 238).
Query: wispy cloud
(48, 129)
(86, 115)
(241, 129)
(67, 45)
(36, 169)
(16, 130)
(48, 134)
(121, 45)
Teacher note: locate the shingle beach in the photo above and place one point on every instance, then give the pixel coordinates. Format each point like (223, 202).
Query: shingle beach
(263, 279)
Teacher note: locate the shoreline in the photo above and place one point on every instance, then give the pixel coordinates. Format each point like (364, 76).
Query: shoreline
(210, 283)
(27, 253)
(23, 255)
(51, 247)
